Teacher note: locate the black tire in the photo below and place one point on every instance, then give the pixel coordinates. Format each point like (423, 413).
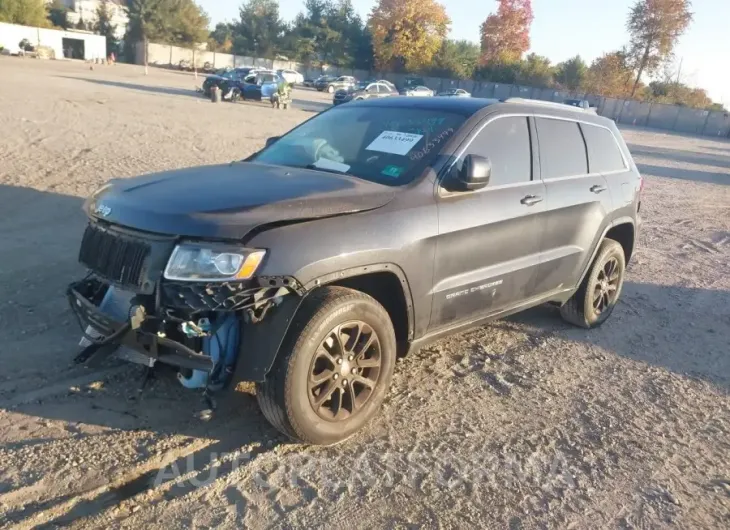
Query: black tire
(581, 309)
(285, 396)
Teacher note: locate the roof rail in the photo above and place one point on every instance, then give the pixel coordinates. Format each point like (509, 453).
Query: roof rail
(553, 104)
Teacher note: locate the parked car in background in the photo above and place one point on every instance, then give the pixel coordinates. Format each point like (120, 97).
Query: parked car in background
(258, 86)
(581, 104)
(224, 79)
(365, 90)
(455, 93)
(418, 92)
(309, 83)
(388, 83)
(323, 81)
(291, 76)
(331, 85)
(411, 82)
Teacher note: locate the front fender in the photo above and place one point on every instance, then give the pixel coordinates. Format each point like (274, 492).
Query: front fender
(260, 342)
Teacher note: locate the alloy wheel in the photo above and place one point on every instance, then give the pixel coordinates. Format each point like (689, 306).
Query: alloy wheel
(344, 371)
(605, 290)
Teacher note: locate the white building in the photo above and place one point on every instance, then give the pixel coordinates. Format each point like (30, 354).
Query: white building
(87, 10)
(65, 44)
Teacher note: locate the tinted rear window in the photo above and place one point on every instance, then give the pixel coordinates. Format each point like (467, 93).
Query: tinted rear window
(604, 154)
(562, 149)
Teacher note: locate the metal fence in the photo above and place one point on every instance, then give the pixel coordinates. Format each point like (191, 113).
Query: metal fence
(652, 115)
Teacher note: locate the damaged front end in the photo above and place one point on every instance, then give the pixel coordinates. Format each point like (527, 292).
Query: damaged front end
(212, 331)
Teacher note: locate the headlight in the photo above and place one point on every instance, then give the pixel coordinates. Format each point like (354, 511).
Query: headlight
(212, 263)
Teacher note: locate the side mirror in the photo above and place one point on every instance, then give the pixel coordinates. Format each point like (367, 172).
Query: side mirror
(474, 174)
(272, 140)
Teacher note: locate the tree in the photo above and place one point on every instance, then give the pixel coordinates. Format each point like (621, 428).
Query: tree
(221, 38)
(81, 24)
(655, 27)
(536, 71)
(329, 32)
(105, 27)
(259, 29)
(24, 12)
(675, 93)
(457, 59)
(506, 34)
(189, 26)
(146, 21)
(407, 33)
(571, 73)
(57, 14)
(610, 75)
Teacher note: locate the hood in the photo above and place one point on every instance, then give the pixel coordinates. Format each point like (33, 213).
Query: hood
(228, 201)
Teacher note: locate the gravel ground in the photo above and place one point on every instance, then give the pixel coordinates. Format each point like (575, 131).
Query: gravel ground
(524, 423)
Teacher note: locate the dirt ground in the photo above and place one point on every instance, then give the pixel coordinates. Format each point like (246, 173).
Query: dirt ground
(524, 423)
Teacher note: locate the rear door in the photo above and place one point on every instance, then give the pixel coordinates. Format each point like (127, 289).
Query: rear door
(578, 202)
(487, 251)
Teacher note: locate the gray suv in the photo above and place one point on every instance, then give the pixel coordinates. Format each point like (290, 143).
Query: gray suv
(363, 234)
(331, 85)
(365, 90)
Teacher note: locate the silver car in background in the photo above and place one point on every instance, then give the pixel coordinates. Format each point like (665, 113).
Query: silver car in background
(455, 93)
(418, 92)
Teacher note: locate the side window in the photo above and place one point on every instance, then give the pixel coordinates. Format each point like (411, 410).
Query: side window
(562, 149)
(604, 154)
(506, 142)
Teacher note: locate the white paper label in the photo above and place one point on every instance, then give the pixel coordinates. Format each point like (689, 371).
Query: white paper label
(393, 142)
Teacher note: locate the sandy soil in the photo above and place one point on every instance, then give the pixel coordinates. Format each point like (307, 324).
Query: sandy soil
(525, 423)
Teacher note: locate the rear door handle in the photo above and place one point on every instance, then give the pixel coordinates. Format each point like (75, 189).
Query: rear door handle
(531, 200)
(598, 188)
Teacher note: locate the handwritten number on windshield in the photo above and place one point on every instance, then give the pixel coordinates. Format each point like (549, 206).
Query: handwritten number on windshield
(433, 144)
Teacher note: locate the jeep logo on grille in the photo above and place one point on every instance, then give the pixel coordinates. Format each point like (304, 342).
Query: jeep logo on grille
(102, 210)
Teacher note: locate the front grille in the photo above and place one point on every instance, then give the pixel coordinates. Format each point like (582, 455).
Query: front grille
(113, 256)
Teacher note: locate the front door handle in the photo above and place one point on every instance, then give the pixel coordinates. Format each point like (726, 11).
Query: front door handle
(598, 188)
(531, 200)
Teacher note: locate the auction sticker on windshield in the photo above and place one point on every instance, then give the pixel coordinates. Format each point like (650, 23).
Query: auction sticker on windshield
(396, 143)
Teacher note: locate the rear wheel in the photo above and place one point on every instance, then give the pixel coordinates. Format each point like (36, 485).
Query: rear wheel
(334, 368)
(597, 296)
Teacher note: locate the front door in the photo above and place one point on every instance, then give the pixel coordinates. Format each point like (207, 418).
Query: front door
(578, 198)
(488, 245)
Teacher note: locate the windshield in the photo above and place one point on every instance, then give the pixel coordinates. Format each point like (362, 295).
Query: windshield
(387, 145)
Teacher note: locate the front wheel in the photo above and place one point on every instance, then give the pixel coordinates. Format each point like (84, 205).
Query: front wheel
(597, 296)
(334, 368)
(331, 89)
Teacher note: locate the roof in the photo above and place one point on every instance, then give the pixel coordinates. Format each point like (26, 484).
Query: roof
(471, 106)
(466, 106)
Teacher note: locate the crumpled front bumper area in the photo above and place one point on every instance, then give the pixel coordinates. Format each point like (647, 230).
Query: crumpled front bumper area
(142, 332)
(155, 325)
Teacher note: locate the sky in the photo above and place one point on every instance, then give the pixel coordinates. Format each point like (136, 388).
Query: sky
(564, 28)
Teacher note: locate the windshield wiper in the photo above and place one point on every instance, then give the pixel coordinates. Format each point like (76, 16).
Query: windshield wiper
(326, 169)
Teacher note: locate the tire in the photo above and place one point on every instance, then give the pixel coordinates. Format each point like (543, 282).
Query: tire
(287, 398)
(330, 89)
(581, 310)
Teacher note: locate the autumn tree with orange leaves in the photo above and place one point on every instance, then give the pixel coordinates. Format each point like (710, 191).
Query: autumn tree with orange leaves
(506, 34)
(407, 33)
